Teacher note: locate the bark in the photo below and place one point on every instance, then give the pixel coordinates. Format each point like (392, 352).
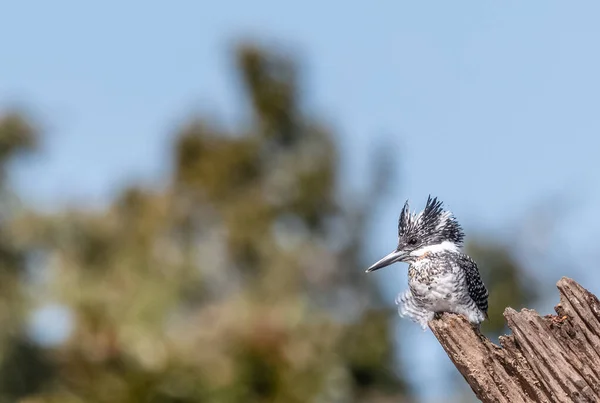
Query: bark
(555, 358)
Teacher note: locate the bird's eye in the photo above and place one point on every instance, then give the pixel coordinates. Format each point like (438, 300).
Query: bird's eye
(412, 241)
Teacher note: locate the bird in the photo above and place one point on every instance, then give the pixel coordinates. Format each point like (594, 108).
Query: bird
(441, 278)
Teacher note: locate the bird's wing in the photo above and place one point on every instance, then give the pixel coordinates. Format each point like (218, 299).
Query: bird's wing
(475, 285)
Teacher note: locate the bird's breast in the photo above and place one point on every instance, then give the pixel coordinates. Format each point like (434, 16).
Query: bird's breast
(431, 282)
(426, 271)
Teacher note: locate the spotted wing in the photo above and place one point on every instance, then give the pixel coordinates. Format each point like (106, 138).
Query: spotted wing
(475, 285)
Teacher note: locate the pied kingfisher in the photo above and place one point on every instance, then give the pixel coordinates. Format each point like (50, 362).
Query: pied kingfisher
(440, 277)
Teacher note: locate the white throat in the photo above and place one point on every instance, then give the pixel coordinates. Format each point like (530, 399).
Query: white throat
(445, 246)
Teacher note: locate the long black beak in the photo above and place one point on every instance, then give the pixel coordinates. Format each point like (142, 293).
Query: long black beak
(395, 256)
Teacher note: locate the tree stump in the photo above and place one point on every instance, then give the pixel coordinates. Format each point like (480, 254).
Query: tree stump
(555, 358)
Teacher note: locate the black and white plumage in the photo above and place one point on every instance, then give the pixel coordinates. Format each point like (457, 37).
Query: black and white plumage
(440, 277)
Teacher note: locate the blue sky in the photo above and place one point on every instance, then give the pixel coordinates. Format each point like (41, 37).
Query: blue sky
(491, 106)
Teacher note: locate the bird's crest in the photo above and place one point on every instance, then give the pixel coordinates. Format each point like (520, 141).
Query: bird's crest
(433, 223)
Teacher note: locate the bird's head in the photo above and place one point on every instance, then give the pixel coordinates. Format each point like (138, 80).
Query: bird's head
(431, 230)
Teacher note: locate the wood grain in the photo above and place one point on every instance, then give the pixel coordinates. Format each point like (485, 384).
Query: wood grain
(555, 358)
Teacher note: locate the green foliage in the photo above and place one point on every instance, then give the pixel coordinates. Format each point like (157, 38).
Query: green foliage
(240, 281)
(223, 287)
(17, 135)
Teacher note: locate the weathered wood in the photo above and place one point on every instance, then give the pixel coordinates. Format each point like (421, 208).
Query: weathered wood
(555, 358)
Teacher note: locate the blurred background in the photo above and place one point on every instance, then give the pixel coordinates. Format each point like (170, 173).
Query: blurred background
(191, 191)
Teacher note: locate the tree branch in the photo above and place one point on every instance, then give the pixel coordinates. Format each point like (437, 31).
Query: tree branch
(551, 359)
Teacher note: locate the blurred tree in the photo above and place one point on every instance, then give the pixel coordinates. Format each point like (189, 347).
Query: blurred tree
(239, 282)
(23, 367)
